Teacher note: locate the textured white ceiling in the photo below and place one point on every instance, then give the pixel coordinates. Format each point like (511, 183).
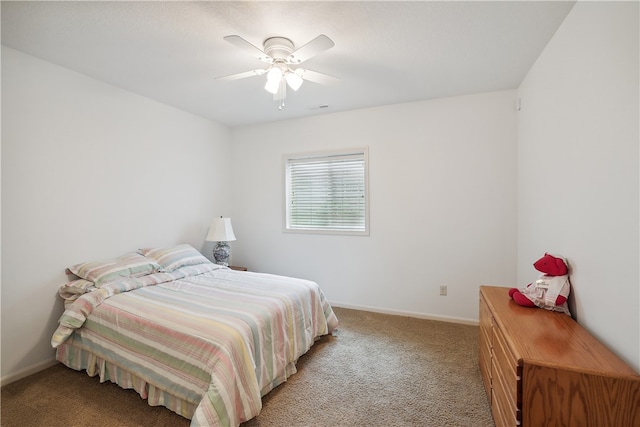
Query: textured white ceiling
(385, 52)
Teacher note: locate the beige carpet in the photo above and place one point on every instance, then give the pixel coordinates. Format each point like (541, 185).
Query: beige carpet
(378, 370)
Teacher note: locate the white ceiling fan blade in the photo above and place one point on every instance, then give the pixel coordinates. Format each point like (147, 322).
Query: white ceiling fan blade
(241, 43)
(316, 77)
(311, 49)
(246, 74)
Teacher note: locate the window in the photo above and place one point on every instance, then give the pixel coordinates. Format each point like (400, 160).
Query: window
(327, 192)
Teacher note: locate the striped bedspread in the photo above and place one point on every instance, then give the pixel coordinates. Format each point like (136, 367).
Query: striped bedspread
(216, 338)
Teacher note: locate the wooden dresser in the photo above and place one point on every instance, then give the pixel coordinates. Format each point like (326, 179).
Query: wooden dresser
(541, 368)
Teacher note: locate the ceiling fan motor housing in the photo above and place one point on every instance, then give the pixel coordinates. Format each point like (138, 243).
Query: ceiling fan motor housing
(278, 47)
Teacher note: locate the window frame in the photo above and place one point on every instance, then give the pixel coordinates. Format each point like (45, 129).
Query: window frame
(362, 151)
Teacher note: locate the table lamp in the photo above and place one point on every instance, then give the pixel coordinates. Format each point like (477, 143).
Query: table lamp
(221, 232)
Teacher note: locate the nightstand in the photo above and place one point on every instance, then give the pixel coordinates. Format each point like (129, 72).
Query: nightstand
(238, 268)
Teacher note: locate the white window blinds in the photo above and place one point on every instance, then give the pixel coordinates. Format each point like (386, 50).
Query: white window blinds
(327, 192)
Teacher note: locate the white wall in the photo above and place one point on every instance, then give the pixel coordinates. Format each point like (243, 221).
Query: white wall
(578, 168)
(91, 172)
(443, 204)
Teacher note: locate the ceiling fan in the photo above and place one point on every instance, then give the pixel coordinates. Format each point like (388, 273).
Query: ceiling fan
(282, 57)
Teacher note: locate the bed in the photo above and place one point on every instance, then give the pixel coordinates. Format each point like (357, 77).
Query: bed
(203, 340)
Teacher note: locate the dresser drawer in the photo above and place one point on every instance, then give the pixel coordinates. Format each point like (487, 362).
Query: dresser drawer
(506, 365)
(486, 319)
(485, 364)
(505, 379)
(485, 352)
(484, 342)
(502, 402)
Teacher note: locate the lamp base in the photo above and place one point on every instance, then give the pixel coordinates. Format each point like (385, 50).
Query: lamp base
(221, 253)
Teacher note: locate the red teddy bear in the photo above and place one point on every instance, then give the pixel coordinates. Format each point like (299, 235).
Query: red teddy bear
(552, 288)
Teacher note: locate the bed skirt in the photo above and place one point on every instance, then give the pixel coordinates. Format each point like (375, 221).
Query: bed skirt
(80, 359)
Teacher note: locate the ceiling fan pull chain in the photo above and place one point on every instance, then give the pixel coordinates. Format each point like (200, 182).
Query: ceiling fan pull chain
(281, 94)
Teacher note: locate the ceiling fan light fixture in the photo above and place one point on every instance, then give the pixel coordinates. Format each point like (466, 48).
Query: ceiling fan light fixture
(272, 86)
(293, 80)
(275, 73)
(274, 76)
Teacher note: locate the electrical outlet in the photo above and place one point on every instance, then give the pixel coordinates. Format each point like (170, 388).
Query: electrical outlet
(443, 290)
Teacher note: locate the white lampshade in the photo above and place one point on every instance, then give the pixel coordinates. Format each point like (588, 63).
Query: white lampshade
(221, 231)
(294, 80)
(273, 80)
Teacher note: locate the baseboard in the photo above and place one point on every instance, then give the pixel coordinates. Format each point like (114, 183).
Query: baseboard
(26, 372)
(449, 319)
